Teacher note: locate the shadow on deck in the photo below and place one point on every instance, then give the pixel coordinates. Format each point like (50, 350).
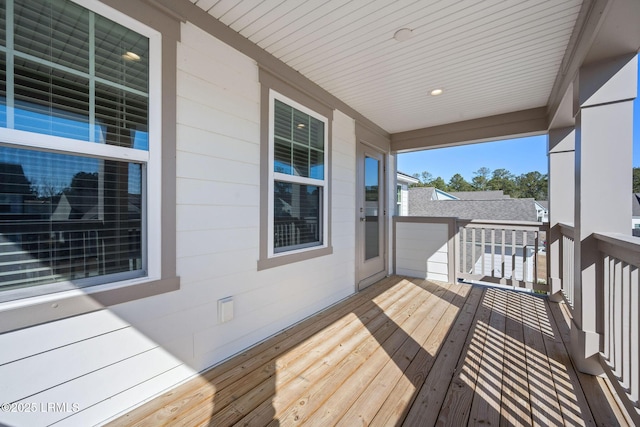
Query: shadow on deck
(402, 352)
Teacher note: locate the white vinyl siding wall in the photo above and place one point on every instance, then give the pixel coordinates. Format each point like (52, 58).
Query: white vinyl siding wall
(422, 250)
(174, 335)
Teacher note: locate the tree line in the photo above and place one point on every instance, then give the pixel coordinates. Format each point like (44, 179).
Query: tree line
(528, 185)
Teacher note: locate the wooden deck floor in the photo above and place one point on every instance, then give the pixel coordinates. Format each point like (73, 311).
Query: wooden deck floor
(402, 352)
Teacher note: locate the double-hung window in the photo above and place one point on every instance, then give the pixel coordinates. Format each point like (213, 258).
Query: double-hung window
(298, 177)
(78, 147)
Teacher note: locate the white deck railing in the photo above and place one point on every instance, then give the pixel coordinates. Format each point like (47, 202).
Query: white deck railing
(502, 252)
(567, 263)
(619, 305)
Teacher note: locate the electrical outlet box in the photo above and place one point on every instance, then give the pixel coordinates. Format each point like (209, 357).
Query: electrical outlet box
(225, 309)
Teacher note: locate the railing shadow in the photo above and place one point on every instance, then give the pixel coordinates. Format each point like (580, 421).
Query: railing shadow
(422, 355)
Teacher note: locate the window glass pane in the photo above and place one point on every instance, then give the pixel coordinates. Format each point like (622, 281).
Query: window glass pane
(120, 115)
(300, 127)
(298, 143)
(300, 161)
(282, 157)
(122, 55)
(67, 218)
(282, 120)
(316, 164)
(297, 215)
(50, 101)
(55, 31)
(372, 208)
(59, 67)
(3, 90)
(3, 22)
(316, 133)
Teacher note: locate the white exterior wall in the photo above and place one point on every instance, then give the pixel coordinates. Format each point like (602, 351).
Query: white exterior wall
(422, 250)
(102, 363)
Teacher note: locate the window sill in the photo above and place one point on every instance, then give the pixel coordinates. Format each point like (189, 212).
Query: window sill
(289, 258)
(28, 312)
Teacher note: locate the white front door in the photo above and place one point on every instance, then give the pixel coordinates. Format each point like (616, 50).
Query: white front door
(370, 216)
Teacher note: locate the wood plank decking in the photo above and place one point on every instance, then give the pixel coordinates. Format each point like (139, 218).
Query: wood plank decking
(402, 352)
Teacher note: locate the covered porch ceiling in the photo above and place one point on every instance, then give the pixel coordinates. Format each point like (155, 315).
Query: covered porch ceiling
(503, 66)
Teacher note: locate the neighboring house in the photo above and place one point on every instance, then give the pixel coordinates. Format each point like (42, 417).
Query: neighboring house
(196, 176)
(542, 209)
(404, 181)
(635, 214)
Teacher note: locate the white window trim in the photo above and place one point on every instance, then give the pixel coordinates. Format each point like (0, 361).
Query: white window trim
(276, 176)
(151, 176)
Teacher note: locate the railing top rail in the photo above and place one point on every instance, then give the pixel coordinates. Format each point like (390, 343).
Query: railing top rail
(426, 219)
(472, 222)
(625, 248)
(566, 229)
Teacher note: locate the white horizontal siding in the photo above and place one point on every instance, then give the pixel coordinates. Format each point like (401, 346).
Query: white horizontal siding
(422, 251)
(111, 360)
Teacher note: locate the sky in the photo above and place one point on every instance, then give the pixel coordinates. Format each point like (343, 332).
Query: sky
(518, 156)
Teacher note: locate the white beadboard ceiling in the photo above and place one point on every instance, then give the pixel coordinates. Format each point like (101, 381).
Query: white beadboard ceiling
(489, 56)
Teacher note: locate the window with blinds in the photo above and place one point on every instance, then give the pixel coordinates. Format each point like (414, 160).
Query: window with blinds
(299, 183)
(74, 147)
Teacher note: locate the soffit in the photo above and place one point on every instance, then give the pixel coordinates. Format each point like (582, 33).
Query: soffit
(489, 56)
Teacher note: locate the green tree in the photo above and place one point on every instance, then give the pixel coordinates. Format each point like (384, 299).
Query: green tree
(636, 180)
(458, 183)
(439, 183)
(532, 185)
(480, 181)
(502, 179)
(425, 179)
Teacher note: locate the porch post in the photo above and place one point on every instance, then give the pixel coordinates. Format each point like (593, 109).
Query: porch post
(603, 164)
(561, 196)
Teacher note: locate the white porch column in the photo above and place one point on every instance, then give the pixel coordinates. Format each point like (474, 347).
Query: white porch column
(603, 164)
(561, 196)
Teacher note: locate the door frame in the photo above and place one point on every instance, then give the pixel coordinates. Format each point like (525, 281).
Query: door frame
(361, 150)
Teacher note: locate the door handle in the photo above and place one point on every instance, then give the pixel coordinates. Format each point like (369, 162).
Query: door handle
(363, 219)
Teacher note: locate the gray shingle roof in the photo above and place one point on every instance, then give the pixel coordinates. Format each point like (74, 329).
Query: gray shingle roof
(502, 210)
(480, 195)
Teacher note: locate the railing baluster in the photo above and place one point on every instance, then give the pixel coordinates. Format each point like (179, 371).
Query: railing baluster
(473, 251)
(624, 326)
(493, 252)
(513, 259)
(617, 312)
(606, 351)
(634, 335)
(503, 265)
(525, 259)
(464, 251)
(482, 249)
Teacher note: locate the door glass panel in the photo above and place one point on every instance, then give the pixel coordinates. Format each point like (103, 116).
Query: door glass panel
(372, 205)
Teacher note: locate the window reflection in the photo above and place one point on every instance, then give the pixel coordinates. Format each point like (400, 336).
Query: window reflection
(66, 217)
(296, 215)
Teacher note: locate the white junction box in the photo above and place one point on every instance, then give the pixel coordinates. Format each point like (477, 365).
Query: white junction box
(225, 309)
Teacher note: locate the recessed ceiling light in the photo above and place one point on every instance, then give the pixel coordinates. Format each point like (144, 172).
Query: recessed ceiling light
(131, 56)
(436, 92)
(403, 34)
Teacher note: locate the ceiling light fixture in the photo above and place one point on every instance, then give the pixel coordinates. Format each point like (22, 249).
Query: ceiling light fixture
(301, 125)
(403, 34)
(436, 92)
(131, 56)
